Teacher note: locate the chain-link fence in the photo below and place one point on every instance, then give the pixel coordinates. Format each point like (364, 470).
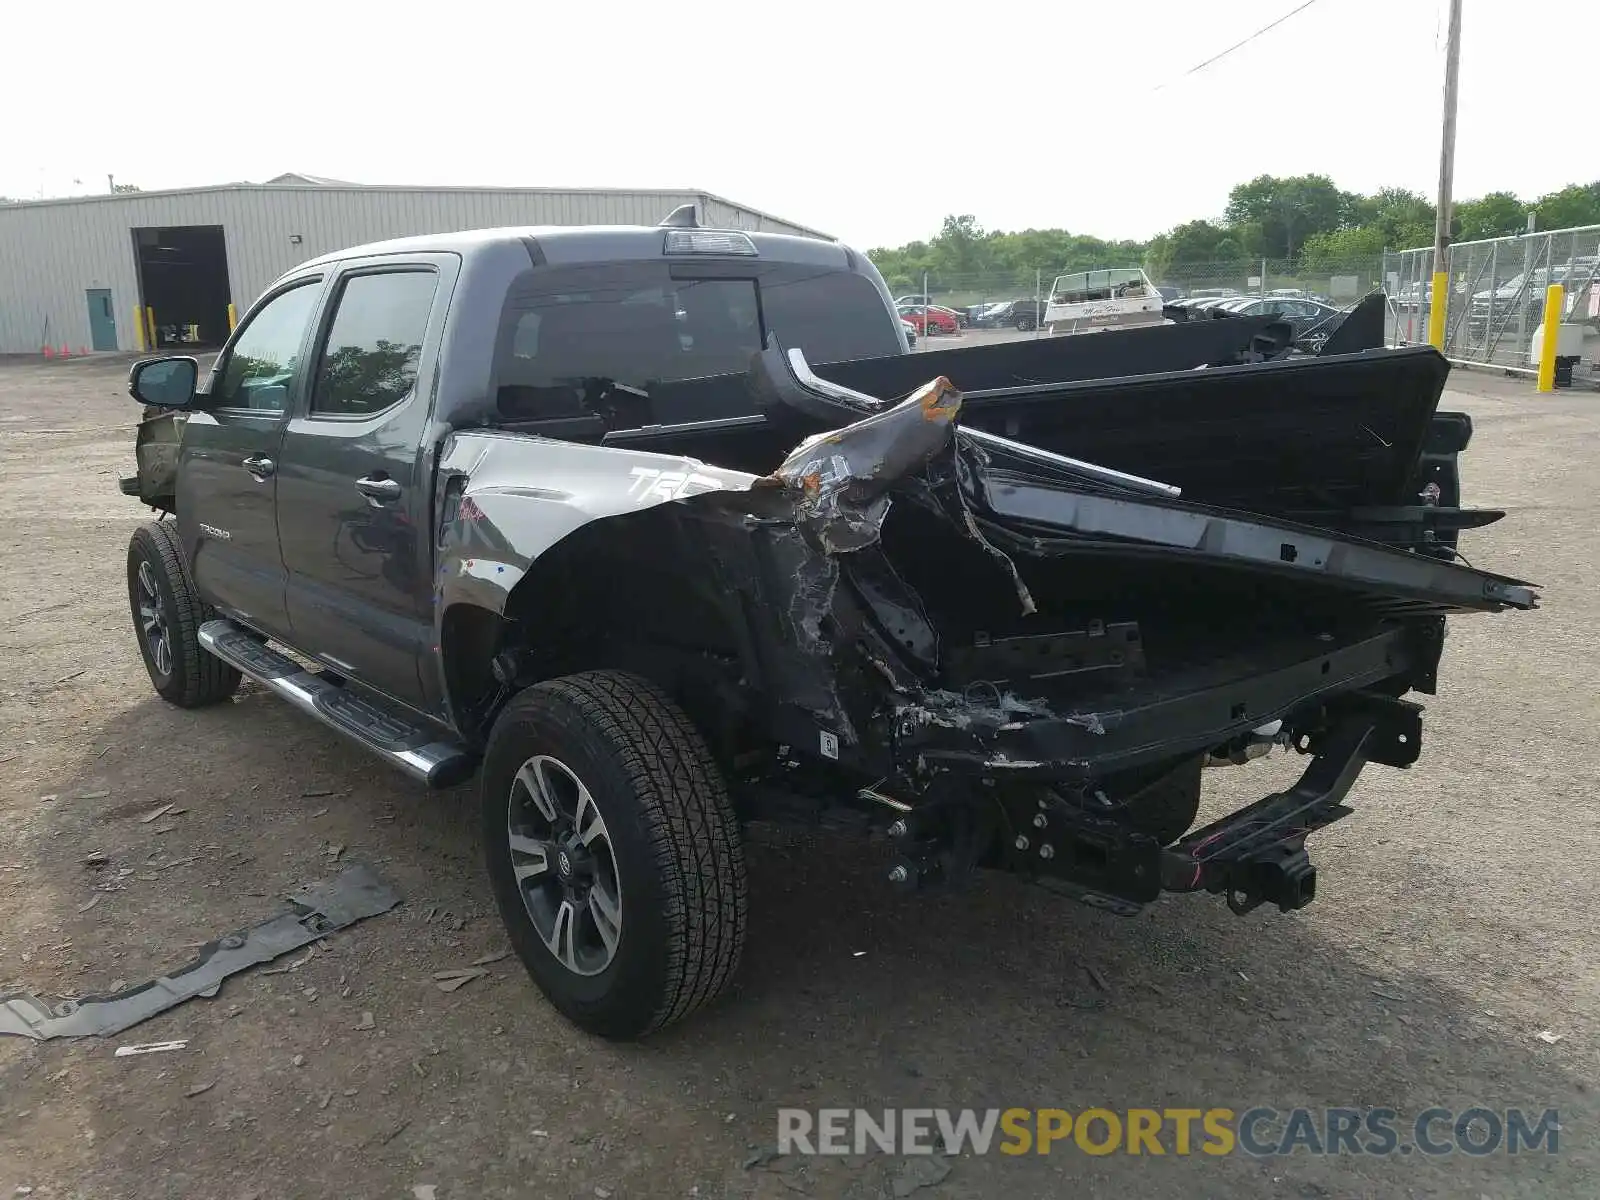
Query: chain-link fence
(1016, 297)
(1495, 301)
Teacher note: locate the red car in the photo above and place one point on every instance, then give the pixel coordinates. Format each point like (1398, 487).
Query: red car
(929, 320)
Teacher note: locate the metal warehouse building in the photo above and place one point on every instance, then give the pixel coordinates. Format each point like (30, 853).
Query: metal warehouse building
(99, 272)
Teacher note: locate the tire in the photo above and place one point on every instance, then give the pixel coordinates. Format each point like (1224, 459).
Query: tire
(1024, 324)
(676, 876)
(167, 615)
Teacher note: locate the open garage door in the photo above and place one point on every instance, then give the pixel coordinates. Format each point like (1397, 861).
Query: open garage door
(183, 281)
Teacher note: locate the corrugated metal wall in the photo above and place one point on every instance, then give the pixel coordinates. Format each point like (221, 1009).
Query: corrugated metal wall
(52, 253)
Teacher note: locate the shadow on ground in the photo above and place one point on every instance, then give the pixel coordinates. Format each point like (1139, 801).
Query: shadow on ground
(851, 994)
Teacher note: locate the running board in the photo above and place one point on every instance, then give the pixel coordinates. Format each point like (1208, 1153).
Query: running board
(393, 736)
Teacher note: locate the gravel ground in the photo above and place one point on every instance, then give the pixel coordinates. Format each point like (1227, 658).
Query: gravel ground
(1452, 925)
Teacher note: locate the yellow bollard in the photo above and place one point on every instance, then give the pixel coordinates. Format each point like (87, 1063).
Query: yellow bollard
(138, 329)
(150, 318)
(233, 318)
(1554, 302)
(1436, 309)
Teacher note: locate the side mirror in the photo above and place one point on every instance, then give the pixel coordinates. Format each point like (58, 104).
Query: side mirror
(164, 382)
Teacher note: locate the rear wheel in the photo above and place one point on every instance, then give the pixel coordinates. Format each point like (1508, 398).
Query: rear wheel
(167, 615)
(1024, 324)
(613, 852)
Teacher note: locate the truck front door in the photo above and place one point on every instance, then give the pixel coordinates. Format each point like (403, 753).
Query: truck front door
(355, 496)
(227, 462)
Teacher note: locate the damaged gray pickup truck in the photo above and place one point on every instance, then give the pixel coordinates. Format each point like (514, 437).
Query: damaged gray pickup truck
(662, 531)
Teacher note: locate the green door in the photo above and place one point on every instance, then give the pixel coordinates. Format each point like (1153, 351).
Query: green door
(102, 320)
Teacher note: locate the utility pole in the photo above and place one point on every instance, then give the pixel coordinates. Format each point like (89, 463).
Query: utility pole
(1447, 170)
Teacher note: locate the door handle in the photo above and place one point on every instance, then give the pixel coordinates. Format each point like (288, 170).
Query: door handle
(259, 466)
(378, 488)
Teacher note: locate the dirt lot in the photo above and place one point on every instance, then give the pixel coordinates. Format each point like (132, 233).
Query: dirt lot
(1454, 924)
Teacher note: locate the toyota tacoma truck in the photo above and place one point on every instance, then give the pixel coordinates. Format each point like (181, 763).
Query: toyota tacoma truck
(662, 531)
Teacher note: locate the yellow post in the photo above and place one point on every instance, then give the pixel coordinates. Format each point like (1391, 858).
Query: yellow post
(1554, 301)
(138, 329)
(150, 319)
(1436, 309)
(233, 318)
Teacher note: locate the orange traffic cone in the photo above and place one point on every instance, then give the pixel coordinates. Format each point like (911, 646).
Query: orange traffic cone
(83, 352)
(49, 353)
(65, 353)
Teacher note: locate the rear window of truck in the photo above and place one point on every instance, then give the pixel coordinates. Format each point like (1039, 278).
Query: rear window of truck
(640, 324)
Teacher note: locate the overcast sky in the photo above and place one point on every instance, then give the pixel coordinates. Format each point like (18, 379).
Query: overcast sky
(867, 119)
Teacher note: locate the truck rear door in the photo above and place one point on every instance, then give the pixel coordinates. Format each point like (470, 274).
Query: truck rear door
(355, 483)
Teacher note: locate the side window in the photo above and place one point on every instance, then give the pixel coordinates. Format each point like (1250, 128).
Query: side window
(262, 360)
(833, 316)
(370, 360)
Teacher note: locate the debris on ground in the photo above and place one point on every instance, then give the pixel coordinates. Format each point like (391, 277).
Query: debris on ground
(292, 965)
(761, 1158)
(89, 903)
(366, 1021)
(96, 858)
(1549, 1038)
(920, 1172)
(93, 795)
(449, 981)
(490, 958)
(151, 1048)
(314, 792)
(155, 814)
(200, 1089)
(353, 895)
(1089, 998)
(424, 1191)
(1382, 995)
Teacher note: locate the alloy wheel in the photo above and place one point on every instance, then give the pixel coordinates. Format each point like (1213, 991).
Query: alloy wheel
(153, 627)
(565, 865)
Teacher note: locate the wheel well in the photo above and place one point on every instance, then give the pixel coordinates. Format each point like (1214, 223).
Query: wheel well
(636, 593)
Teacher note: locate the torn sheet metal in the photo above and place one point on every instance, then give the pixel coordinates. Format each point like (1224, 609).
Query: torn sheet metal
(353, 895)
(842, 477)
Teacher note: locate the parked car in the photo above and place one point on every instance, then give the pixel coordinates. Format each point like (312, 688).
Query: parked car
(1010, 314)
(911, 331)
(930, 319)
(961, 316)
(650, 576)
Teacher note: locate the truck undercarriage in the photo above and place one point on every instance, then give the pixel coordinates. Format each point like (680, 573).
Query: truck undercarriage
(1000, 656)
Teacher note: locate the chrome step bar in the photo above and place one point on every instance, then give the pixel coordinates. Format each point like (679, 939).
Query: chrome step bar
(394, 737)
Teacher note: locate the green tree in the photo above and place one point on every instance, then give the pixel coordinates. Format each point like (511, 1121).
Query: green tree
(1403, 218)
(1494, 215)
(1576, 204)
(1342, 251)
(1275, 216)
(1194, 244)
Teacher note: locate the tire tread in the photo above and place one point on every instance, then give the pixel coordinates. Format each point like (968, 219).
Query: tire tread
(688, 821)
(203, 678)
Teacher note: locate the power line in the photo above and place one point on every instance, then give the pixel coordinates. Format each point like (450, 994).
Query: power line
(1244, 42)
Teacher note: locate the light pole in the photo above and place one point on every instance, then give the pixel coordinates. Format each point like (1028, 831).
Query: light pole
(1447, 168)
